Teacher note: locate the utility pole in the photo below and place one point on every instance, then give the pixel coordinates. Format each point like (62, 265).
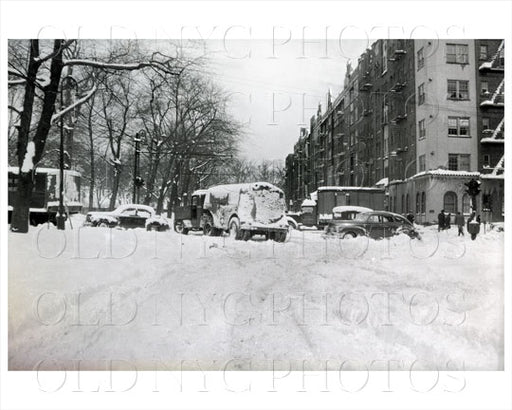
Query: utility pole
(137, 180)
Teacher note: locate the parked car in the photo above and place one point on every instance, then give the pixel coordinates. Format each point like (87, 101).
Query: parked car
(128, 216)
(375, 224)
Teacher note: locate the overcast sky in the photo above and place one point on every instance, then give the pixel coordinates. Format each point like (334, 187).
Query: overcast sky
(276, 88)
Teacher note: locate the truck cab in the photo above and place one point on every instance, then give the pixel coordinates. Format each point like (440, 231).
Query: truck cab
(189, 215)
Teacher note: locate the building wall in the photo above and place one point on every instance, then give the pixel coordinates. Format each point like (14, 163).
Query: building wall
(434, 76)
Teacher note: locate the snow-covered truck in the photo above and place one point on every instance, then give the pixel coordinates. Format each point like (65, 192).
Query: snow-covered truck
(45, 195)
(242, 210)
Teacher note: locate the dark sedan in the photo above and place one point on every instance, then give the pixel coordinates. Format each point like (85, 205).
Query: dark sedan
(376, 224)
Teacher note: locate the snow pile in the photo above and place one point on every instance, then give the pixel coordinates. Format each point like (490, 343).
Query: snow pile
(97, 217)
(157, 220)
(156, 299)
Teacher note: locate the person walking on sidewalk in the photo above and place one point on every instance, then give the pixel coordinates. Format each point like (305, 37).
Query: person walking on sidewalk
(440, 221)
(459, 221)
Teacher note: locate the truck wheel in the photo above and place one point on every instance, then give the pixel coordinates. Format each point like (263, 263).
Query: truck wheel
(234, 229)
(208, 229)
(180, 228)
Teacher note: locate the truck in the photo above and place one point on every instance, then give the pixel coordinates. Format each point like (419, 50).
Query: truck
(242, 210)
(318, 211)
(45, 195)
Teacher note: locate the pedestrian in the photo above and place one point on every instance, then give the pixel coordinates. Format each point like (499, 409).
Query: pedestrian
(459, 221)
(447, 221)
(440, 221)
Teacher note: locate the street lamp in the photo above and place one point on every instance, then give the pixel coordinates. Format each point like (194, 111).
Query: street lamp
(60, 218)
(137, 180)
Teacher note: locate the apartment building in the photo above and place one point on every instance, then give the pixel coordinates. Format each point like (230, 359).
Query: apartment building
(421, 117)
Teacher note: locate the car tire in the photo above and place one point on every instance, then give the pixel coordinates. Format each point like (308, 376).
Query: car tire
(179, 227)
(280, 236)
(348, 235)
(234, 229)
(208, 229)
(103, 224)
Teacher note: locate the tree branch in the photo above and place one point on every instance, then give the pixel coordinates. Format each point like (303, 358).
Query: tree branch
(82, 100)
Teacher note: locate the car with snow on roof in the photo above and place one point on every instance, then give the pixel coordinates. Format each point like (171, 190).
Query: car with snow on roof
(242, 210)
(128, 216)
(375, 224)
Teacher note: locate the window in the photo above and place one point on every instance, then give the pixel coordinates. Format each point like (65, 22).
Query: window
(466, 204)
(485, 123)
(464, 162)
(457, 53)
(423, 203)
(403, 203)
(373, 219)
(484, 87)
(420, 58)
(450, 202)
(458, 90)
(458, 127)
(421, 163)
(483, 52)
(421, 94)
(407, 204)
(422, 130)
(486, 160)
(143, 213)
(459, 162)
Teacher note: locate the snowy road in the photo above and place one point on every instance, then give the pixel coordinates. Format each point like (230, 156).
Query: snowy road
(157, 300)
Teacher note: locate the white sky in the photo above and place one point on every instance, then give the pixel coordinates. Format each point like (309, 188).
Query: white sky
(276, 88)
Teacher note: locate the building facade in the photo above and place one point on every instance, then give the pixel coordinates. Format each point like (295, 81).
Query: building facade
(422, 117)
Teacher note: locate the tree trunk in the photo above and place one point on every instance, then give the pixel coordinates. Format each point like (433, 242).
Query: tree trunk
(164, 187)
(20, 213)
(91, 156)
(115, 189)
(20, 216)
(150, 183)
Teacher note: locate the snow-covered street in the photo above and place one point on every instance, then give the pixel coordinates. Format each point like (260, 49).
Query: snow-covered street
(161, 300)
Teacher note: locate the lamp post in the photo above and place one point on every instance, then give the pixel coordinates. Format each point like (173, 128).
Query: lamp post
(137, 180)
(61, 218)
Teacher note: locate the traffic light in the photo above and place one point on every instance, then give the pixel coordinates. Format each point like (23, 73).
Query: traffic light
(473, 187)
(139, 182)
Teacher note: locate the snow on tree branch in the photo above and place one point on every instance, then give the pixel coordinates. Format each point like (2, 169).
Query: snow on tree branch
(82, 100)
(16, 82)
(163, 66)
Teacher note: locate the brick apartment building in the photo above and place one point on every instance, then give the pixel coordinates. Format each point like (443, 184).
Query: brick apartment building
(421, 117)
